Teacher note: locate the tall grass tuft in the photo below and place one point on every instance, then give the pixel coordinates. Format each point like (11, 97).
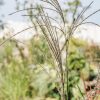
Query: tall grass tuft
(52, 33)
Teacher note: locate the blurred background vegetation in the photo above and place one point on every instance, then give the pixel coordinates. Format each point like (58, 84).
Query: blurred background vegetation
(26, 70)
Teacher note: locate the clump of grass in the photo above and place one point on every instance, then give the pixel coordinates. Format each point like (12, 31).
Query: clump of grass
(51, 33)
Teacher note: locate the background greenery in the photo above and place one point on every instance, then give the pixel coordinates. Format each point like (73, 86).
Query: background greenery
(26, 70)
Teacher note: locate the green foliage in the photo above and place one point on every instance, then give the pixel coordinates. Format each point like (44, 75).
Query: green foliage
(76, 63)
(39, 51)
(14, 84)
(36, 77)
(21, 80)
